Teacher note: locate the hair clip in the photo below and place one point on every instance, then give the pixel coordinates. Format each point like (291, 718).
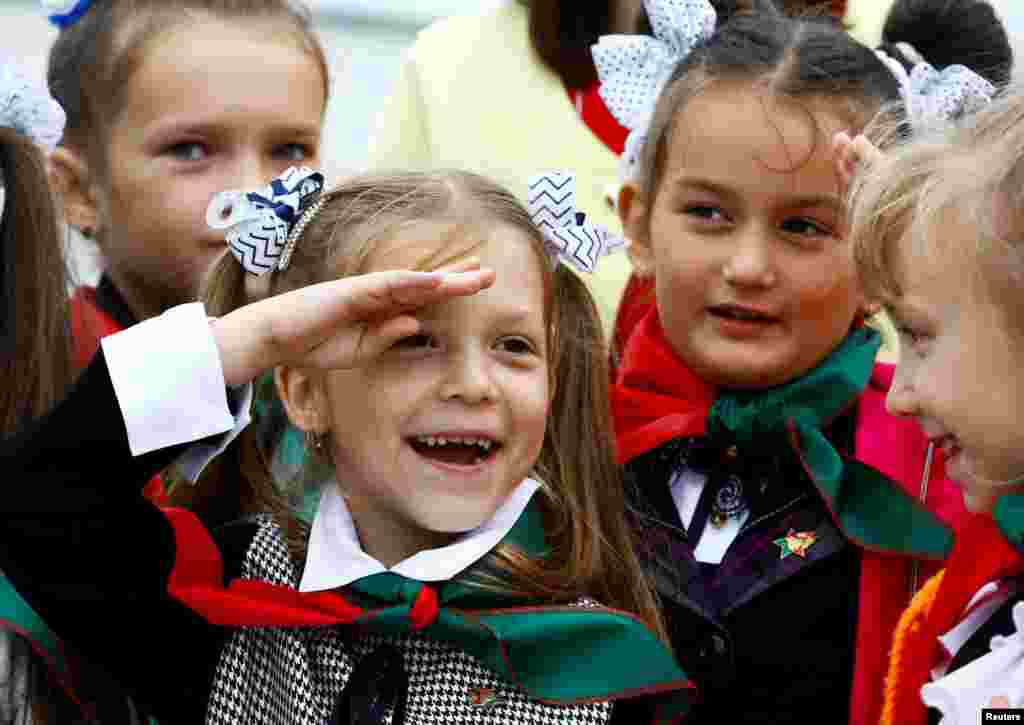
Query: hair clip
(634, 69)
(263, 226)
(568, 236)
(932, 97)
(28, 108)
(63, 13)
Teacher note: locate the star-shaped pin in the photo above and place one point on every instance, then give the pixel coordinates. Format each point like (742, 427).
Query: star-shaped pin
(796, 542)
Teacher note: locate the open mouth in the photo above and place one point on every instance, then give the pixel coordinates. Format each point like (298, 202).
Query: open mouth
(456, 450)
(741, 314)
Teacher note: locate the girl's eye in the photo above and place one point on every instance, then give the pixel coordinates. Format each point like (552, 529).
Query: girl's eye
(704, 212)
(805, 227)
(916, 338)
(415, 342)
(293, 152)
(188, 151)
(516, 346)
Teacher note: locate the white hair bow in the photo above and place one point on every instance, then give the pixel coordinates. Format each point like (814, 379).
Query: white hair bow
(568, 236)
(63, 13)
(28, 108)
(932, 96)
(263, 226)
(634, 69)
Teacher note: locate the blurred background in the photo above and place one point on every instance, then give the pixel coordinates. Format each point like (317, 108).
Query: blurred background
(364, 40)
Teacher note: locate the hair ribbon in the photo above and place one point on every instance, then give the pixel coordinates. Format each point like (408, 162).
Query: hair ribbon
(63, 13)
(263, 226)
(933, 97)
(634, 69)
(568, 236)
(28, 108)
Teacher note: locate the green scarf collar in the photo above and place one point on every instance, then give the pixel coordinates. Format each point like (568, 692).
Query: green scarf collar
(870, 508)
(557, 654)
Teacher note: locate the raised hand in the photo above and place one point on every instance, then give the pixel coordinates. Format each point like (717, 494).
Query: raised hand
(336, 324)
(852, 155)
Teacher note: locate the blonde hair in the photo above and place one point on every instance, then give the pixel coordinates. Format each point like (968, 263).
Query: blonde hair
(973, 169)
(591, 547)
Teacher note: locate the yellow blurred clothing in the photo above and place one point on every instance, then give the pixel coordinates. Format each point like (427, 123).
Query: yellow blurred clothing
(473, 95)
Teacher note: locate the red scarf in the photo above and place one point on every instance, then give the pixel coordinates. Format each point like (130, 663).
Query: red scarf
(656, 397)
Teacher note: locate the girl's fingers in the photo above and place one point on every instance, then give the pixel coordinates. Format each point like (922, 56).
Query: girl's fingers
(390, 293)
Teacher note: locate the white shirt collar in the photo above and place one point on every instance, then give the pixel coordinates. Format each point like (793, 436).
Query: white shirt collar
(336, 559)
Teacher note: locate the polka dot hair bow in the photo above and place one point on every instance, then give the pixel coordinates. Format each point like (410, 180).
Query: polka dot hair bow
(932, 97)
(262, 227)
(634, 69)
(63, 13)
(568, 236)
(28, 108)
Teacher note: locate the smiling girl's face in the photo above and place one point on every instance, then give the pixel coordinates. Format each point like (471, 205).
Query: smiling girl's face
(431, 437)
(960, 365)
(755, 282)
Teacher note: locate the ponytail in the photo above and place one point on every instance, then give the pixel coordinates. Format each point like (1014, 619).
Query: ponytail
(35, 358)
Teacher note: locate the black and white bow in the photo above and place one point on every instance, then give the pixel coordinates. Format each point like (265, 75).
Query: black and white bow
(568, 236)
(263, 226)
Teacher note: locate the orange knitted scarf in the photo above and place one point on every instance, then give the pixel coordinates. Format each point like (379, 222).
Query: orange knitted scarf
(981, 554)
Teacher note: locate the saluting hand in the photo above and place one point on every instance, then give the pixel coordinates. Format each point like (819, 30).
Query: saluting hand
(337, 324)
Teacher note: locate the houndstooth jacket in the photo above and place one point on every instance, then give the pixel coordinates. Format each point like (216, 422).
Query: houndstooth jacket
(294, 676)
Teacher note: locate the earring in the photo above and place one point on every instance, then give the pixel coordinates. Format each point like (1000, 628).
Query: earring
(315, 442)
(87, 232)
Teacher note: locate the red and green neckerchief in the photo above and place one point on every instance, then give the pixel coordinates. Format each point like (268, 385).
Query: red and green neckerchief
(657, 398)
(557, 654)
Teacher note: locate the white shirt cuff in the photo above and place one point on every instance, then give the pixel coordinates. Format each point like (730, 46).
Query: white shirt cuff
(169, 382)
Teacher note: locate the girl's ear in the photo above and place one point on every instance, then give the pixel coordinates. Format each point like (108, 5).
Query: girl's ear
(302, 393)
(70, 177)
(633, 211)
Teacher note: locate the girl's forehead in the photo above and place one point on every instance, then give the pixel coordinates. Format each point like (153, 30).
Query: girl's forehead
(746, 139)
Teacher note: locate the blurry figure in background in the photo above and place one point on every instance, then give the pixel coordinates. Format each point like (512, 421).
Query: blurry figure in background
(40, 681)
(154, 132)
(515, 89)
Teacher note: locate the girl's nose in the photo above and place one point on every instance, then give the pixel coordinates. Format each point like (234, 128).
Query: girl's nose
(750, 263)
(469, 379)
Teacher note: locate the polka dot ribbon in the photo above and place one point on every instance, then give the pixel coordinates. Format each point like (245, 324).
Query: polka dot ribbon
(933, 97)
(634, 69)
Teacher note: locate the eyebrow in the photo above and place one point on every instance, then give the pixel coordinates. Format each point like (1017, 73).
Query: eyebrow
(691, 183)
(186, 126)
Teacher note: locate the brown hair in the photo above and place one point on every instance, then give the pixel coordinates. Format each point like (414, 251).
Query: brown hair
(590, 543)
(562, 31)
(36, 365)
(92, 60)
(814, 58)
(974, 168)
(36, 368)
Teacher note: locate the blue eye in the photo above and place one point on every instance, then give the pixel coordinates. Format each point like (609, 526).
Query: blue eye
(293, 152)
(187, 151)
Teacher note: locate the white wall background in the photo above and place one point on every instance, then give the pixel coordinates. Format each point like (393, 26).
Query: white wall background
(364, 40)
